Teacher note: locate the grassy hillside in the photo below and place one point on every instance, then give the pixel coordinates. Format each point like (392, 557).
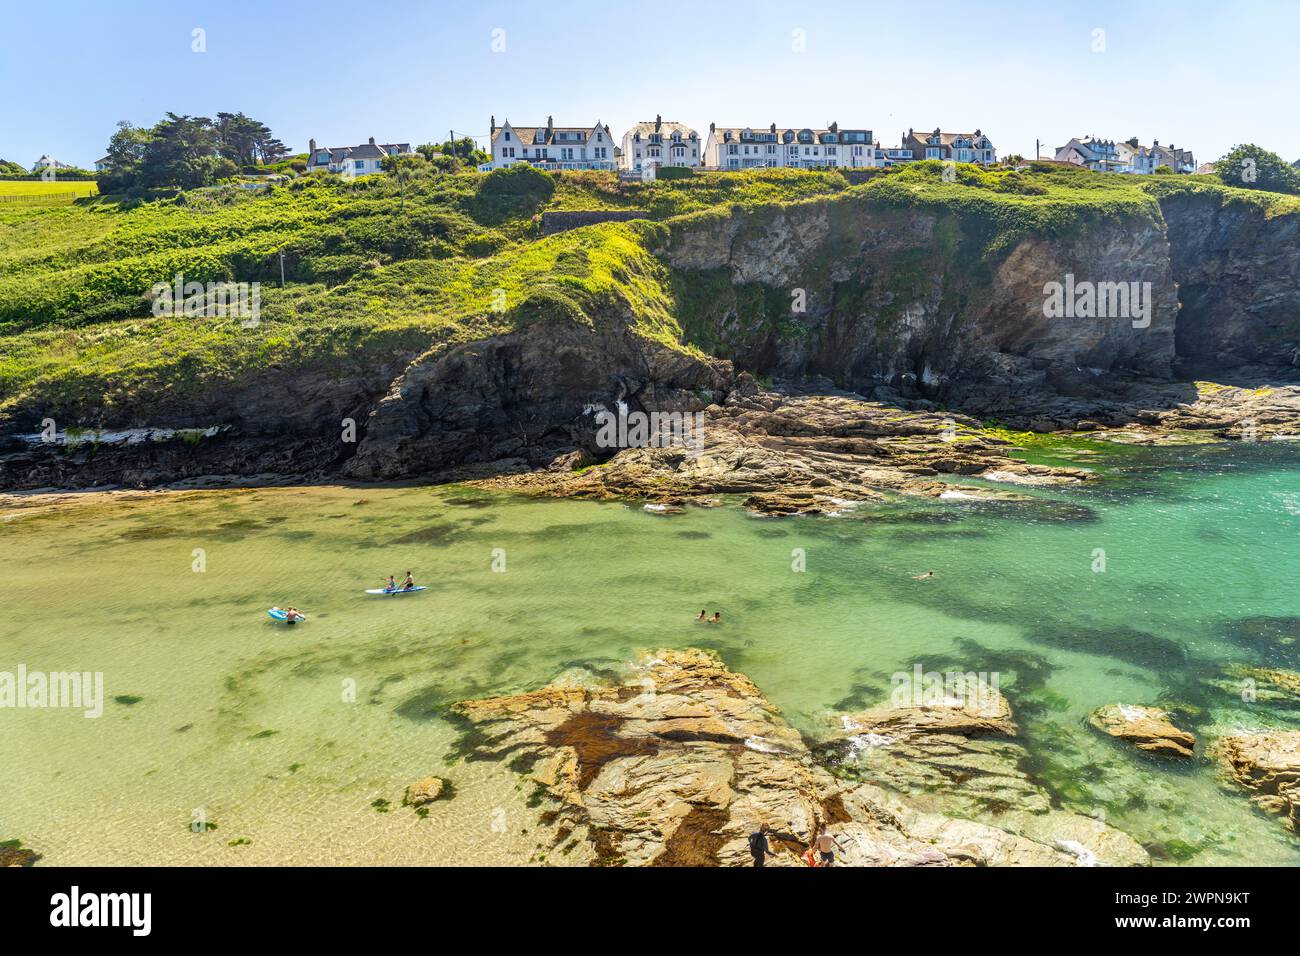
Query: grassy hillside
(377, 271)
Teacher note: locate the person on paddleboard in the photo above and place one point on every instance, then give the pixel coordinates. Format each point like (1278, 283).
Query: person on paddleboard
(409, 582)
(392, 583)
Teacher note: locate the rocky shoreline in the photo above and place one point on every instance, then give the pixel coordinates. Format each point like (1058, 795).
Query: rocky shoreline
(807, 449)
(791, 452)
(685, 758)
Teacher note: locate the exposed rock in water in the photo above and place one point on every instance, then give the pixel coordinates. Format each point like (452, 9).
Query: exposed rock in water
(13, 853)
(425, 791)
(1149, 729)
(1269, 765)
(683, 761)
(960, 755)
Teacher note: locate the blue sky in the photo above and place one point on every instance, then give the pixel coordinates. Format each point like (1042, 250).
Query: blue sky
(1200, 75)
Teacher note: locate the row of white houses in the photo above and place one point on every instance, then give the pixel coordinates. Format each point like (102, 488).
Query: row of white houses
(655, 143)
(1125, 156)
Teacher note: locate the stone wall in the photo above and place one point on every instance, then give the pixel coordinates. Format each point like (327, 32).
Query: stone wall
(563, 221)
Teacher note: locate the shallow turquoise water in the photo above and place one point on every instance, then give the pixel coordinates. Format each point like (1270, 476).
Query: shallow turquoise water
(253, 724)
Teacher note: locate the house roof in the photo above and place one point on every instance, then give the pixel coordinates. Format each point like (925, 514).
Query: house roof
(789, 134)
(665, 128)
(336, 154)
(48, 160)
(527, 135)
(945, 139)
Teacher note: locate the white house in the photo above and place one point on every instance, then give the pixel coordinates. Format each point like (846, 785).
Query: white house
(973, 147)
(1128, 156)
(550, 146)
(49, 162)
(731, 147)
(1099, 155)
(1135, 158)
(103, 163)
(360, 160)
(660, 143)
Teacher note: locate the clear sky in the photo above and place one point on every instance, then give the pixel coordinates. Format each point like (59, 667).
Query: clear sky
(1197, 74)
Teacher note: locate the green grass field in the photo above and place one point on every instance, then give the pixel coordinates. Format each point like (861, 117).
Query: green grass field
(39, 189)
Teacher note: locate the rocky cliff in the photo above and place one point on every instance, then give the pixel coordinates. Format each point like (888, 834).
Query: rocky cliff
(917, 304)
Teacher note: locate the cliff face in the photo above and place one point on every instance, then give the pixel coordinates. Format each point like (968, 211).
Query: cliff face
(903, 301)
(523, 397)
(1238, 275)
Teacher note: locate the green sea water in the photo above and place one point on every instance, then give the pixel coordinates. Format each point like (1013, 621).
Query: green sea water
(298, 742)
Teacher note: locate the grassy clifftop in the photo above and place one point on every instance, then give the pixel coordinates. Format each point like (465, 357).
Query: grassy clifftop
(378, 272)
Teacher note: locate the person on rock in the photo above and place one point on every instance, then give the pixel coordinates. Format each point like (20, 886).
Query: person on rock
(823, 845)
(758, 845)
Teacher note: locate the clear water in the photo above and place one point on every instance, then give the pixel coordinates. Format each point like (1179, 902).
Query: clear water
(1195, 539)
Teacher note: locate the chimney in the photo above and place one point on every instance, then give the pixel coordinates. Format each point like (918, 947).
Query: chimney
(713, 127)
(492, 129)
(834, 127)
(311, 146)
(773, 129)
(550, 124)
(372, 141)
(659, 121)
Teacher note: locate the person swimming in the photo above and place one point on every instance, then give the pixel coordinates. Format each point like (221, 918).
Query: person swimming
(717, 618)
(923, 577)
(704, 616)
(292, 614)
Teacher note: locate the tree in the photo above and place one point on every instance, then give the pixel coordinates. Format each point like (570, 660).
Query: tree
(464, 151)
(1253, 167)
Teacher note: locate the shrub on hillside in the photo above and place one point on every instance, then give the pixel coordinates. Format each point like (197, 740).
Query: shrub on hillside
(518, 180)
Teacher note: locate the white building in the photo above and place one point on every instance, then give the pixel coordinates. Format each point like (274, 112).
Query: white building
(660, 143)
(550, 146)
(973, 147)
(362, 160)
(49, 162)
(1099, 155)
(749, 148)
(1127, 156)
(1135, 158)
